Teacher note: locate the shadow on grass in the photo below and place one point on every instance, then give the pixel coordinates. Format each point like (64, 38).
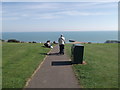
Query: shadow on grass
(43, 53)
(61, 63)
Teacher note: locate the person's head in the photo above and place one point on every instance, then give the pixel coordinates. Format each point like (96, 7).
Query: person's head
(48, 41)
(61, 35)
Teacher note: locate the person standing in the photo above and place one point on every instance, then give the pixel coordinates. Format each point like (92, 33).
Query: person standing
(61, 42)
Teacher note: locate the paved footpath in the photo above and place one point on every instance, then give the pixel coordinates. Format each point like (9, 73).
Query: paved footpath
(55, 72)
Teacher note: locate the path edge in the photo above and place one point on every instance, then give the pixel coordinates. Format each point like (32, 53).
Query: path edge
(73, 70)
(29, 79)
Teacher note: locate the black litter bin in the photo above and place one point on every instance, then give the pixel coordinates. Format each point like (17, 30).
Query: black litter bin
(77, 51)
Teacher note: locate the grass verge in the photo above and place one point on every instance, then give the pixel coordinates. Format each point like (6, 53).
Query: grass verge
(101, 70)
(19, 62)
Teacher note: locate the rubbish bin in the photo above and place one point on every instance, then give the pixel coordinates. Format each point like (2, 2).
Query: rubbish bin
(77, 51)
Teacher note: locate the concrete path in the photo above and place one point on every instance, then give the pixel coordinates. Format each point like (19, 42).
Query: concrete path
(55, 72)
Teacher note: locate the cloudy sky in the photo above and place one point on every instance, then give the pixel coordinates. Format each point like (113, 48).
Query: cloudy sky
(59, 16)
(60, 0)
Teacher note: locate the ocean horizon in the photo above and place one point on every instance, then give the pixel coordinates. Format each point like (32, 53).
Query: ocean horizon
(80, 36)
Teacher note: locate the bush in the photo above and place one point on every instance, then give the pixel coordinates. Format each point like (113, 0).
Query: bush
(13, 40)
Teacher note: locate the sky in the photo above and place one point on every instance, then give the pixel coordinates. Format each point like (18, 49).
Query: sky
(60, 0)
(59, 16)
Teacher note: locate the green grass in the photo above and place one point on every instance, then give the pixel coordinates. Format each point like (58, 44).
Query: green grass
(19, 62)
(101, 70)
(0, 64)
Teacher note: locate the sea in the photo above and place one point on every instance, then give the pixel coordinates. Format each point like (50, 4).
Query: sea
(80, 36)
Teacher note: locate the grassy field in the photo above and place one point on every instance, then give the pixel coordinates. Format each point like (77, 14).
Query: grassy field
(0, 64)
(101, 70)
(19, 62)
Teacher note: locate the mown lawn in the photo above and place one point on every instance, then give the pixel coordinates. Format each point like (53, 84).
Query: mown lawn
(0, 64)
(19, 60)
(101, 70)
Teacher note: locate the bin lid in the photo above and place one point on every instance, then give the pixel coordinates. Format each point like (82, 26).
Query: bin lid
(78, 45)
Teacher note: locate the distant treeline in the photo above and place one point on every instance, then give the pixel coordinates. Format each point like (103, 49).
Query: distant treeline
(112, 41)
(16, 41)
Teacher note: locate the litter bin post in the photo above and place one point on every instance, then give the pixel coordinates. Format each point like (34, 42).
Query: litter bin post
(77, 51)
